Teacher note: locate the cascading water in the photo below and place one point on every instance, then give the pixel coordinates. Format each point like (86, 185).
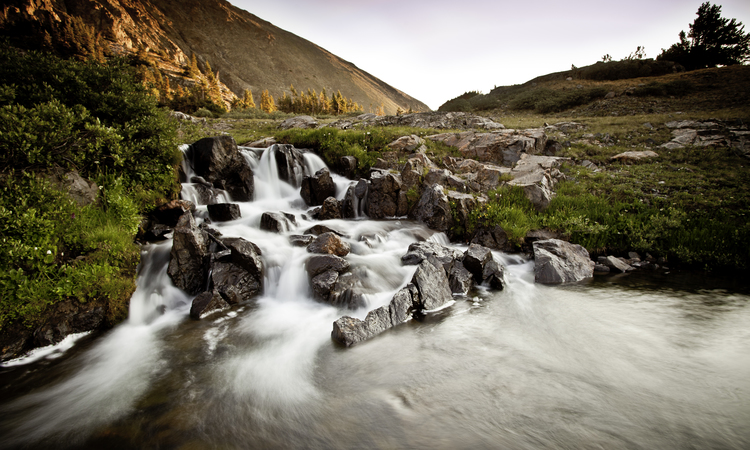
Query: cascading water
(614, 363)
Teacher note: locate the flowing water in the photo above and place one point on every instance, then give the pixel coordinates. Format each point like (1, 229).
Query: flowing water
(639, 361)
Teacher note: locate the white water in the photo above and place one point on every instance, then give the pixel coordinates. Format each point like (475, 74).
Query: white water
(531, 367)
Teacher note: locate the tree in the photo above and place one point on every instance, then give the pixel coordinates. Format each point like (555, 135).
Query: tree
(712, 41)
(266, 102)
(247, 99)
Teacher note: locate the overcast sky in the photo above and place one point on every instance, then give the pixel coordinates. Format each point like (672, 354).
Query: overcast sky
(435, 50)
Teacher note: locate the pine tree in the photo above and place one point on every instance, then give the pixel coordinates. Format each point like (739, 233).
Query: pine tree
(192, 70)
(247, 100)
(266, 102)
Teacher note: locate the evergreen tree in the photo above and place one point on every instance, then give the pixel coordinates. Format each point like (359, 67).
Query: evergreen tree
(266, 102)
(192, 70)
(712, 41)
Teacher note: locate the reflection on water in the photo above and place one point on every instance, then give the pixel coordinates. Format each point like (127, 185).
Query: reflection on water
(638, 361)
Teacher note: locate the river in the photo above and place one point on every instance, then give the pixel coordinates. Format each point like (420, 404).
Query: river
(639, 361)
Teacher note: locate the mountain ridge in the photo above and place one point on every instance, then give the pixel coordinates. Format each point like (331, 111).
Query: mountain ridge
(245, 50)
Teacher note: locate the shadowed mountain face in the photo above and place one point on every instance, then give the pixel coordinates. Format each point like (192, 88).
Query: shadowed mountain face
(246, 51)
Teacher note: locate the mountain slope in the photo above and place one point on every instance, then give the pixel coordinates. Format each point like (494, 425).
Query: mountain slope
(246, 51)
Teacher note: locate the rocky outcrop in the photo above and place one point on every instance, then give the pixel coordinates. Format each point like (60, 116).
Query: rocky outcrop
(433, 120)
(318, 187)
(630, 157)
(537, 176)
(557, 261)
(385, 197)
(82, 191)
(434, 209)
(502, 147)
(409, 143)
(709, 133)
(219, 161)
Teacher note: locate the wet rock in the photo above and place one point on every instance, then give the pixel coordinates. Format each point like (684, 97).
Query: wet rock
(275, 222)
(347, 166)
(318, 264)
(206, 303)
(343, 293)
(69, 317)
(218, 159)
(360, 190)
(329, 243)
(420, 251)
(460, 280)
(432, 283)
(323, 283)
(316, 188)
(434, 209)
(264, 142)
(331, 209)
(475, 258)
(494, 275)
(224, 212)
(350, 204)
(157, 232)
(495, 238)
(290, 163)
(317, 230)
(169, 213)
(601, 268)
(301, 240)
(557, 261)
(188, 266)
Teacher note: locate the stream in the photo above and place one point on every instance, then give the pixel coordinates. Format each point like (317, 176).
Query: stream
(639, 361)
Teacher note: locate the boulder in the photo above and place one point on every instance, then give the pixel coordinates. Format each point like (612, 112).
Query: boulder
(323, 283)
(188, 263)
(331, 209)
(615, 264)
(317, 230)
(301, 240)
(276, 222)
(316, 188)
(224, 212)
(495, 238)
(433, 209)
(239, 274)
(290, 163)
(218, 159)
(298, 122)
(347, 166)
(557, 261)
(264, 142)
(432, 283)
(384, 196)
(478, 260)
(205, 303)
(82, 191)
(169, 213)
(629, 157)
(318, 264)
(461, 280)
(407, 143)
(420, 251)
(461, 207)
(504, 146)
(329, 243)
(343, 293)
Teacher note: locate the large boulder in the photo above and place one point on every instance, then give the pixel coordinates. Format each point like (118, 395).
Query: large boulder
(318, 264)
(219, 161)
(329, 243)
(420, 251)
(478, 260)
(495, 238)
(276, 222)
(432, 283)
(503, 147)
(318, 187)
(385, 198)
(434, 209)
(331, 209)
(82, 191)
(407, 143)
(557, 261)
(169, 213)
(290, 163)
(188, 263)
(238, 274)
(224, 212)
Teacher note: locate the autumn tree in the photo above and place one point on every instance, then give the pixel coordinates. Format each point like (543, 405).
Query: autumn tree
(266, 102)
(712, 41)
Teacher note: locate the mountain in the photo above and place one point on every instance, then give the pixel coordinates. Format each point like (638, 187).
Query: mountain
(244, 50)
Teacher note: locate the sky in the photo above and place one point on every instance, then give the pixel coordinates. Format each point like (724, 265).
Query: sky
(435, 50)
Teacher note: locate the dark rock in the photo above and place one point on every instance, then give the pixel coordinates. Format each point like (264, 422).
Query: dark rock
(494, 238)
(494, 275)
(475, 258)
(360, 190)
(290, 163)
(558, 261)
(323, 283)
(218, 158)
(205, 303)
(350, 204)
(301, 240)
(317, 188)
(343, 293)
(461, 280)
(275, 222)
(601, 268)
(432, 283)
(69, 317)
(318, 264)
(169, 213)
(317, 230)
(329, 243)
(383, 195)
(434, 209)
(331, 209)
(348, 166)
(224, 212)
(188, 265)
(157, 232)
(615, 264)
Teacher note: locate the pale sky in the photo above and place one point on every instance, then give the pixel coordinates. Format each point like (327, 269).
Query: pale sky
(435, 50)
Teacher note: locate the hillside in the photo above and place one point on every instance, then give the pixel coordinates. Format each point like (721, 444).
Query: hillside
(244, 50)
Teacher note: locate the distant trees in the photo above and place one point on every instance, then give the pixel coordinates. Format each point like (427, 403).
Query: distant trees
(712, 41)
(311, 102)
(266, 102)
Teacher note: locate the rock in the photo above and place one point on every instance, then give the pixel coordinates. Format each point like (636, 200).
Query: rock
(317, 230)
(475, 258)
(383, 196)
(206, 303)
(557, 261)
(628, 157)
(298, 122)
(615, 264)
(218, 159)
(432, 283)
(290, 163)
(460, 280)
(504, 146)
(224, 212)
(601, 268)
(69, 317)
(331, 209)
(275, 222)
(318, 264)
(82, 191)
(496, 239)
(420, 251)
(433, 209)
(434, 120)
(360, 190)
(323, 283)
(343, 293)
(348, 166)
(156, 232)
(350, 205)
(301, 240)
(238, 275)
(494, 275)
(537, 187)
(406, 143)
(264, 142)
(188, 265)
(329, 243)
(462, 205)
(317, 188)
(169, 213)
